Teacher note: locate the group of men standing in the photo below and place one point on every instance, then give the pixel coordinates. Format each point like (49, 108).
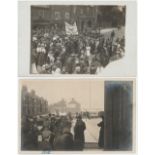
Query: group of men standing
(54, 133)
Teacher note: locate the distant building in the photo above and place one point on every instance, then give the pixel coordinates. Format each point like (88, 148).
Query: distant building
(74, 106)
(63, 107)
(58, 107)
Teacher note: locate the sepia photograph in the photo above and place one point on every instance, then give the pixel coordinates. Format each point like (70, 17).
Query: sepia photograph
(76, 115)
(76, 39)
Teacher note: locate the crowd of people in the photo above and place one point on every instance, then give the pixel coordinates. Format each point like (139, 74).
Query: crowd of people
(76, 54)
(53, 132)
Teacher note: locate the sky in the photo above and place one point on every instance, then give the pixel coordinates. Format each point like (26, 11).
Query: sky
(89, 93)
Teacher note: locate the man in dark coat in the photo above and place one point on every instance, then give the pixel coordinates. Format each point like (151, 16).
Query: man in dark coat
(101, 133)
(79, 137)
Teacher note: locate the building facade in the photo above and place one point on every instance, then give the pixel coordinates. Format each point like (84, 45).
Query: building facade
(32, 104)
(87, 17)
(55, 16)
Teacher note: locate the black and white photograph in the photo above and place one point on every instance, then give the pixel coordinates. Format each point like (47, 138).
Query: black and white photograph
(76, 39)
(76, 115)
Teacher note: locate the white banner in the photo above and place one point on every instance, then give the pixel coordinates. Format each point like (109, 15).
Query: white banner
(71, 29)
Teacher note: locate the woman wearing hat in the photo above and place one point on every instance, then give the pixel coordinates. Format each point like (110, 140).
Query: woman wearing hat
(79, 137)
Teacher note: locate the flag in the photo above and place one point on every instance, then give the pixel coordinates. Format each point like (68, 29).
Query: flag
(71, 29)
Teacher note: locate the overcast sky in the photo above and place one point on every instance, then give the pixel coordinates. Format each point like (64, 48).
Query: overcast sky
(89, 93)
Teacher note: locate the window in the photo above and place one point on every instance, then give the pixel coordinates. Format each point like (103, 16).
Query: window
(81, 11)
(67, 15)
(57, 15)
(88, 10)
(41, 13)
(89, 23)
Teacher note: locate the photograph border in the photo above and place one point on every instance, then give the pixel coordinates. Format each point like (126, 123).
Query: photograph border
(127, 69)
(134, 118)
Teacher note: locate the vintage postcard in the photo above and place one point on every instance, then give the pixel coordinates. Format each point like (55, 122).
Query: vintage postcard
(93, 115)
(72, 38)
